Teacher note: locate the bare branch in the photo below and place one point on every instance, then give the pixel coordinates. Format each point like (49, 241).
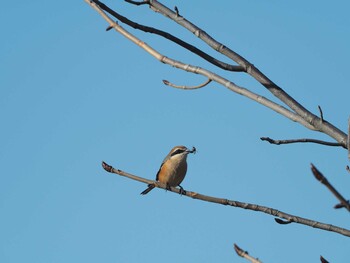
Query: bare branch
(168, 83)
(320, 177)
(223, 201)
(244, 254)
(198, 70)
(323, 260)
(170, 37)
(278, 92)
(278, 142)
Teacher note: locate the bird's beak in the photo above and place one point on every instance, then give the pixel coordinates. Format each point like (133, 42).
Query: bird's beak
(194, 150)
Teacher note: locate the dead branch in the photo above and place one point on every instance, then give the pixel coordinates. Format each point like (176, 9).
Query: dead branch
(244, 254)
(303, 140)
(320, 177)
(223, 201)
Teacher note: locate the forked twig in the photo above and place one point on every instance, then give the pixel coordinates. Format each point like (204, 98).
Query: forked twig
(223, 201)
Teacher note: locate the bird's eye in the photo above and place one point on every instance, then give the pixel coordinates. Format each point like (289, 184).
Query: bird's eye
(177, 151)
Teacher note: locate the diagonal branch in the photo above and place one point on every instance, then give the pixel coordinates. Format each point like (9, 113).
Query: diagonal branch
(223, 201)
(172, 38)
(320, 177)
(244, 254)
(198, 70)
(278, 142)
(310, 118)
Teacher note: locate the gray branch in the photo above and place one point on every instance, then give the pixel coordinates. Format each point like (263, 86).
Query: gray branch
(222, 201)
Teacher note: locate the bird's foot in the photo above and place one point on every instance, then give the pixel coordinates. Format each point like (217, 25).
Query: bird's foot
(182, 191)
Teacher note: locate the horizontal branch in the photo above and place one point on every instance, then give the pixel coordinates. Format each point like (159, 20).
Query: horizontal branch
(303, 140)
(223, 201)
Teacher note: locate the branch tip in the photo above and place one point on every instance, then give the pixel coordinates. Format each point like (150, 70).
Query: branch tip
(318, 175)
(323, 260)
(107, 167)
(240, 252)
(176, 11)
(321, 113)
(342, 205)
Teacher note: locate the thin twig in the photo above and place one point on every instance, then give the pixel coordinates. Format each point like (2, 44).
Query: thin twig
(176, 11)
(166, 35)
(244, 254)
(282, 222)
(321, 113)
(198, 70)
(278, 92)
(303, 140)
(137, 2)
(320, 177)
(223, 201)
(168, 83)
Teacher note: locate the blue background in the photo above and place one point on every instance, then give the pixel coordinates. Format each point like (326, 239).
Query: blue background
(72, 95)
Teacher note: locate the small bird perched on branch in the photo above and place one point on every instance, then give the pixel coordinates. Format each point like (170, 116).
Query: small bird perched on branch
(173, 169)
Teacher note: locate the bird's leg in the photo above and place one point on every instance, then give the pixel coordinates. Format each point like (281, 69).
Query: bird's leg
(167, 187)
(182, 191)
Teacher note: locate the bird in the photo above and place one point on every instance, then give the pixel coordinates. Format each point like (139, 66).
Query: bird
(173, 169)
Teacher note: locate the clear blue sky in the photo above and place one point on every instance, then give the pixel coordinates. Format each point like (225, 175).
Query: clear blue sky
(72, 95)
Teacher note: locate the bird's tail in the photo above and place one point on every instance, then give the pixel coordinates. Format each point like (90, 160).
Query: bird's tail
(150, 187)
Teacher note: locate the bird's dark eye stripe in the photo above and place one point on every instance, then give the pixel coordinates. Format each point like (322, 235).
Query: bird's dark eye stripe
(177, 152)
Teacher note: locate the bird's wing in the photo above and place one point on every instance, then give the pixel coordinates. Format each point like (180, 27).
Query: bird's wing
(160, 168)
